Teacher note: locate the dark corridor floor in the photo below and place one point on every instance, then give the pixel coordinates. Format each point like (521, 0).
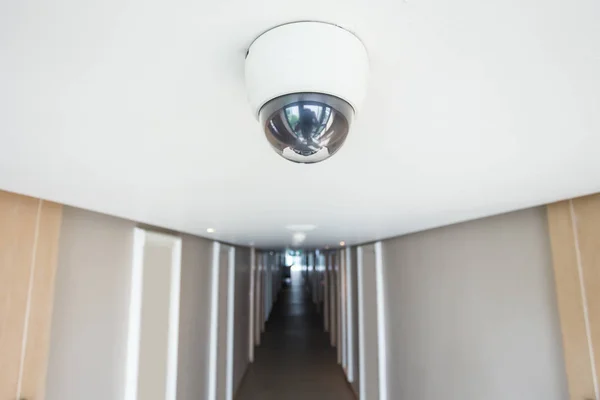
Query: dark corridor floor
(294, 360)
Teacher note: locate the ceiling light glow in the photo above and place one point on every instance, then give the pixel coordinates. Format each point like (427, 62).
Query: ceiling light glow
(301, 227)
(299, 237)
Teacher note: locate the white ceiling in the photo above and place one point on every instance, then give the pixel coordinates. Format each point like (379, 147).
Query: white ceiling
(137, 109)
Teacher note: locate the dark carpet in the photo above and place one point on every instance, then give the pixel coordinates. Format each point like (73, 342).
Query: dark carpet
(295, 360)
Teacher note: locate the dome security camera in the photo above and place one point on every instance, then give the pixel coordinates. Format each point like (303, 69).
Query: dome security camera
(305, 83)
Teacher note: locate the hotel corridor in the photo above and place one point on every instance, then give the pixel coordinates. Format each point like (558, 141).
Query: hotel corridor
(295, 359)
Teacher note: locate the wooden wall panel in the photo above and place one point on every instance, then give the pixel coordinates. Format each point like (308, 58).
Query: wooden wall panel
(17, 231)
(587, 212)
(42, 296)
(570, 304)
(28, 247)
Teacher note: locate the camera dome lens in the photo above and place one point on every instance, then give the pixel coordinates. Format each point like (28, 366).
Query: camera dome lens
(306, 127)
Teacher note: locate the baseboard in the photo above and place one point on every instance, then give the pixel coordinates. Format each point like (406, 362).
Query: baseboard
(353, 389)
(348, 383)
(237, 389)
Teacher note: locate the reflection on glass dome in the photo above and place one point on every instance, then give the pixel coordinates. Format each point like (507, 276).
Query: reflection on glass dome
(306, 131)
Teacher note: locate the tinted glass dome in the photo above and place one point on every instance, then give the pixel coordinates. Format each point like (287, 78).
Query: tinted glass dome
(306, 127)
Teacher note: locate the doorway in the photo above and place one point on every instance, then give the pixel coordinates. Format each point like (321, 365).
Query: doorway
(154, 317)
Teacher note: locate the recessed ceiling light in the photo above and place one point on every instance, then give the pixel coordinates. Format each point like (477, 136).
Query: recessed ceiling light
(342, 243)
(301, 227)
(210, 230)
(298, 237)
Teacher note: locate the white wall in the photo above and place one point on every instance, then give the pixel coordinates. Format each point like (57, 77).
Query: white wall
(90, 317)
(472, 312)
(194, 318)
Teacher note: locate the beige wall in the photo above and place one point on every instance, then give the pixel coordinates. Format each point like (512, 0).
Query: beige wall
(88, 337)
(194, 318)
(29, 232)
(154, 349)
(575, 234)
(90, 319)
(354, 344)
(241, 315)
(473, 312)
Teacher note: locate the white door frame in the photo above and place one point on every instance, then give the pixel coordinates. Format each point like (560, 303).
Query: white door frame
(251, 301)
(343, 310)
(350, 315)
(361, 324)
(381, 344)
(381, 323)
(214, 318)
(213, 369)
(258, 298)
(326, 292)
(332, 300)
(339, 327)
(140, 238)
(230, 321)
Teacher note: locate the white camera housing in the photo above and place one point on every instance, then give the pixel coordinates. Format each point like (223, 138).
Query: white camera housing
(305, 83)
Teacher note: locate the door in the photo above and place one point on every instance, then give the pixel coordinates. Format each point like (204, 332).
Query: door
(154, 317)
